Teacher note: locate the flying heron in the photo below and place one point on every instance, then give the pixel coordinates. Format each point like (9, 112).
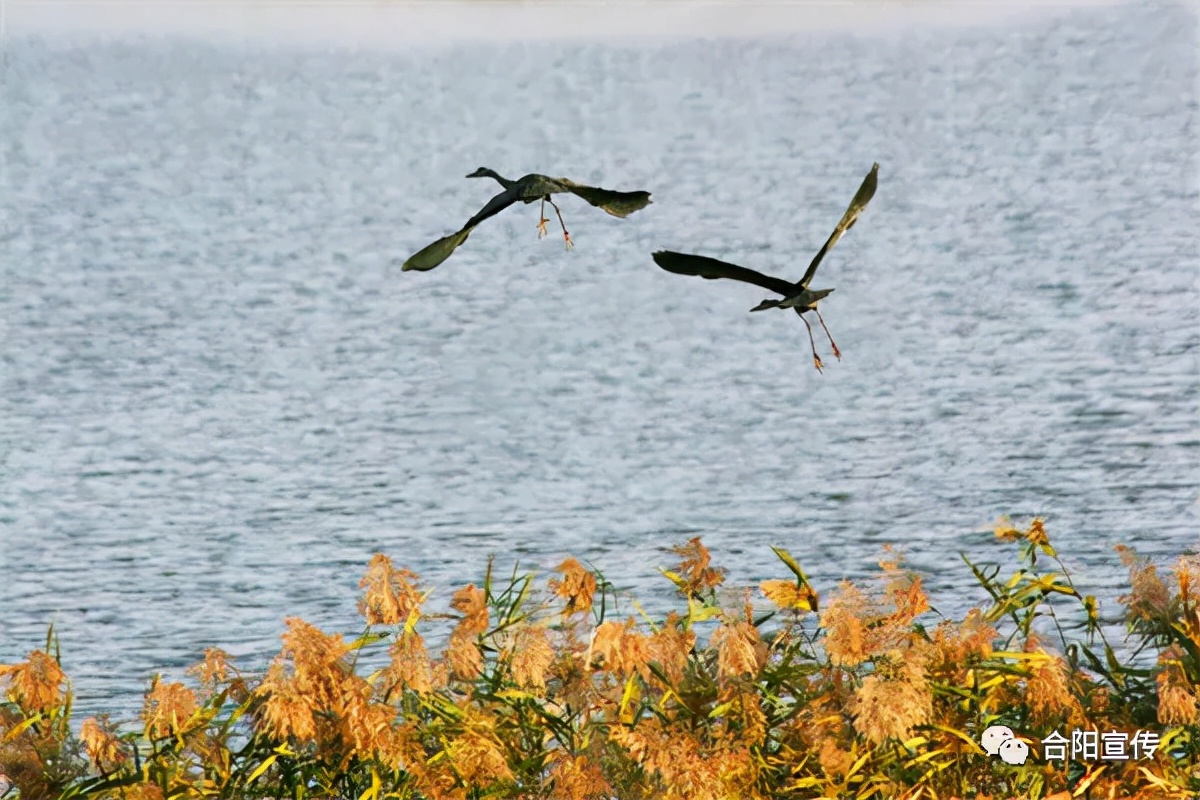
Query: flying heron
(796, 296)
(526, 190)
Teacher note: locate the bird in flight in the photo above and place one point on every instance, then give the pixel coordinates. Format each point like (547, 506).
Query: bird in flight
(526, 190)
(797, 296)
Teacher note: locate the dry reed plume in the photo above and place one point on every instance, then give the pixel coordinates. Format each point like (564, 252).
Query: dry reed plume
(546, 691)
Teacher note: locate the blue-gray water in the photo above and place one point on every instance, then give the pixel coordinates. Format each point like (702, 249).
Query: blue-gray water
(221, 395)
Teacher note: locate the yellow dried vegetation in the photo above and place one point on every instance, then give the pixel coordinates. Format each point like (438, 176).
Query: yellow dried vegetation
(548, 691)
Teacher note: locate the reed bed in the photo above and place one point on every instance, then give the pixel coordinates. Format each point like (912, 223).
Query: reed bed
(542, 690)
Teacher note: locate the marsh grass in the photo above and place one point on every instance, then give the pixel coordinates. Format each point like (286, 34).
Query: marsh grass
(542, 692)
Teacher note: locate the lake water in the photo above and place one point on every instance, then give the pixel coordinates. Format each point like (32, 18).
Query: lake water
(221, 395)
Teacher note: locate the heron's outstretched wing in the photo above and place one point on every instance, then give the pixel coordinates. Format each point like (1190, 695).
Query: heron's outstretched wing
(711, 268)
(494, 206)
(619, 204)
(863, 196)
(431, 255)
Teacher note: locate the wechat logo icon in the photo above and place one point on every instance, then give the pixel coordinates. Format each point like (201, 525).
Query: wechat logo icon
(999, 740)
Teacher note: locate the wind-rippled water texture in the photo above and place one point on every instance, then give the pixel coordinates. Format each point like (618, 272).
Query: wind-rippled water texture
(221, 395)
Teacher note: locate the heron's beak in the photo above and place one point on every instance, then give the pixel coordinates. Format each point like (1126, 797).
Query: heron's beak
(766, 304)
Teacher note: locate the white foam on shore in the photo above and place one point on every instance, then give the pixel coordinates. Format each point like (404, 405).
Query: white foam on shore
(390, 24)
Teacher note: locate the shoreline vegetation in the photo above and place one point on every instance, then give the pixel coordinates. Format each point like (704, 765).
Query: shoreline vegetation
(543, 691)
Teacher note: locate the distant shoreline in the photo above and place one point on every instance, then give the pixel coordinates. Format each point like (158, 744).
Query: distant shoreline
(430, 22)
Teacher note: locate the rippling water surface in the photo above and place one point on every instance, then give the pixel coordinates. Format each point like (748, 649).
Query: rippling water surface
(221, 395)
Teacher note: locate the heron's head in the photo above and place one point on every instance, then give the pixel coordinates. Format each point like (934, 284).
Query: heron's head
(766, 304)
(482, 172)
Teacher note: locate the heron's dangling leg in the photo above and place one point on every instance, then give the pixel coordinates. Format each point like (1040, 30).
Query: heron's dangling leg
(836, 352)
(816, 358)
(542, 222)
(566, 236)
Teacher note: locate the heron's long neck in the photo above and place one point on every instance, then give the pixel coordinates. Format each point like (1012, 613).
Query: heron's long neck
(505, 182)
